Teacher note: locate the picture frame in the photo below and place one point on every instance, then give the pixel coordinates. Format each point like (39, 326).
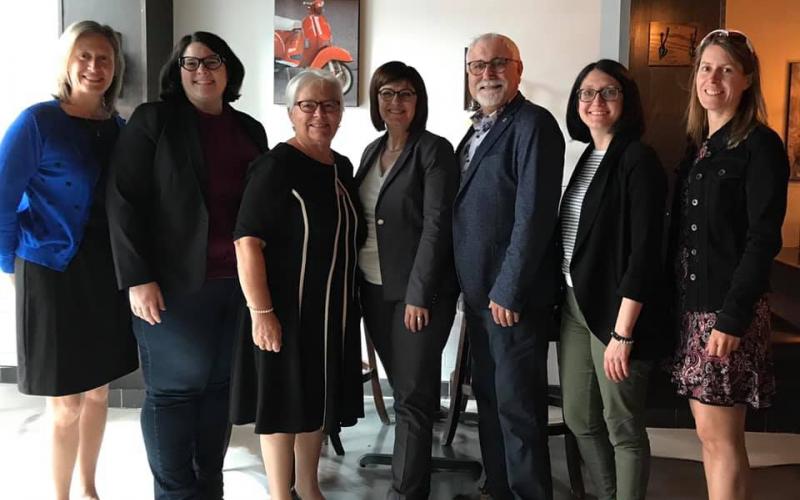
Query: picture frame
(793, 121)
(469, 103)
(316, 34)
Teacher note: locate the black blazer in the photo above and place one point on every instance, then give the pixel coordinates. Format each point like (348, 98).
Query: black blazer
(155, 198)
(618, 248)
(737, 201)
(415, 205)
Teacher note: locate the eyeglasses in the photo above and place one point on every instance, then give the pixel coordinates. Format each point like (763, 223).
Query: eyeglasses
(498, 65)
(606, 93)
(211, 62)
(326, 106)
(388, 95)
(734, 35)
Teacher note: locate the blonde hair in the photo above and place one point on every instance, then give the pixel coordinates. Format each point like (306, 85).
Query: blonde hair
(66, 45)
(752, 109)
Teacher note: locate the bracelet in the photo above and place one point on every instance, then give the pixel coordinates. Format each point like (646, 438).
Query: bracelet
(620, 338)
(260, 311)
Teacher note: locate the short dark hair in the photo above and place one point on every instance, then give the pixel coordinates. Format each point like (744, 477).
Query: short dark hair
(170, 77)
(631, 123)
(394, 71)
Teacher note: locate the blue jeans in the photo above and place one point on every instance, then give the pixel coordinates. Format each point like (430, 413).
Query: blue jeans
(186, 362)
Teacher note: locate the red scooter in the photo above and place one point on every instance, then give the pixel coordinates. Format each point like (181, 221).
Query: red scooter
(308, 44)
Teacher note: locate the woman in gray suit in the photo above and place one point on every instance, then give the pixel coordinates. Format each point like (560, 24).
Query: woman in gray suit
(407, 181)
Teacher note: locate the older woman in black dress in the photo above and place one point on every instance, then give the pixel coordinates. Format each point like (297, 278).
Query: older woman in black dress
(298, 366)
(729, 207)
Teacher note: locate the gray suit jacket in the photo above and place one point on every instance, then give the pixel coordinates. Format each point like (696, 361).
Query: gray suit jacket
(415, 245)
(506, 210)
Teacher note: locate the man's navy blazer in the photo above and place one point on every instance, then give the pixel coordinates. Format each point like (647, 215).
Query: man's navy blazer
(506, 211)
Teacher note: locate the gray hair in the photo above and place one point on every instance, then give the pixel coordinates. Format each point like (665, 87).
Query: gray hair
(488, 37)
(66, 45)
(308, 77)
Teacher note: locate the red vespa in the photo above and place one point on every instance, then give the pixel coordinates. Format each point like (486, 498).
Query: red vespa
(308, 44)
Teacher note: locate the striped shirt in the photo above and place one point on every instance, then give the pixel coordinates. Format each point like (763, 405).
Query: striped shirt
(571, 204)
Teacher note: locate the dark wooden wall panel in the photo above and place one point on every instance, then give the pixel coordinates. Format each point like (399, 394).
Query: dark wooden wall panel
(665, 89)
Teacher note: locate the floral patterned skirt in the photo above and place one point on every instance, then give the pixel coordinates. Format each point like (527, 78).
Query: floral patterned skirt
(743, 377)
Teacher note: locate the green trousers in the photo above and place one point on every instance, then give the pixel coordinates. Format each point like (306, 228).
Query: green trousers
(608, 419)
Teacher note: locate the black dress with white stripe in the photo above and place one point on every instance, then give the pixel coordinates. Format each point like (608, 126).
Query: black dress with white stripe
(306, 213)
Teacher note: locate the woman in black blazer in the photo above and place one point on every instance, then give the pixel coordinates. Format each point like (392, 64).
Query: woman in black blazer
(611, 225)
(407, 181)
(177, 178)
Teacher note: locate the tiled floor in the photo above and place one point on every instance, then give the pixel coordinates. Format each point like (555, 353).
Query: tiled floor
(123, 472)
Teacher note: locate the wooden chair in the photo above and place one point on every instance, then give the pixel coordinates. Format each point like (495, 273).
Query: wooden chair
(461, 391)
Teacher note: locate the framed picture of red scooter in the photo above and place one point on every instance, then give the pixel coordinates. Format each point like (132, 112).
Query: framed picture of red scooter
(793, 121)
(317, 34)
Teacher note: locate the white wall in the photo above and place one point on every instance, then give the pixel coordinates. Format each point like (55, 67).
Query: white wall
(556, 39)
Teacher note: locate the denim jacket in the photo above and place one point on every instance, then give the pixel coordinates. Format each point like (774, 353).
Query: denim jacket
(736, 204)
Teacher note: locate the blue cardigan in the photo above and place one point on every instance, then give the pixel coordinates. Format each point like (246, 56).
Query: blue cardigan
(48, 173)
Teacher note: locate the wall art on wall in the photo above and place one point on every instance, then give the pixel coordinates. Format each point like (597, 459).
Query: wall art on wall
(470, 104)
(793, 121)
(672, 44)
(317, 34)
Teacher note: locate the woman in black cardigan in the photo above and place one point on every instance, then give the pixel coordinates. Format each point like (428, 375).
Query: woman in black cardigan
(176, 181)
(611, 224)
(407, 181)
(729, 207)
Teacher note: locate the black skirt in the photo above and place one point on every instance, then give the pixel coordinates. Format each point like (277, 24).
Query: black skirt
(73, 327)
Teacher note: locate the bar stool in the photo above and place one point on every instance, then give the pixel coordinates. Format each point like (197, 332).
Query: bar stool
(438, 464)
(369, 373)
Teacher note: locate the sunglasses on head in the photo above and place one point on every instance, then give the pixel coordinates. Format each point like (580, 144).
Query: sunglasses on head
(733, 35)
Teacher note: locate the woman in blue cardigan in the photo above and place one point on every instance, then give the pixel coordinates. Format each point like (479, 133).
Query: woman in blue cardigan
(73, 326)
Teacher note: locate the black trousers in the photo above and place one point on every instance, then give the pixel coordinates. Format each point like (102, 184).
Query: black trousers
(509, 380)
(413, 364)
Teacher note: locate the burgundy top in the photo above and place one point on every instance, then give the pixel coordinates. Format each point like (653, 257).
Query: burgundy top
(227, 151)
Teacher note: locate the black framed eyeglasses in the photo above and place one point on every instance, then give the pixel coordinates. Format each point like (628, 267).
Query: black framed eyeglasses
(609, 93)
(309, 106)
(733, 35)
(498, 65)
(388, 95)
(211, 62)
